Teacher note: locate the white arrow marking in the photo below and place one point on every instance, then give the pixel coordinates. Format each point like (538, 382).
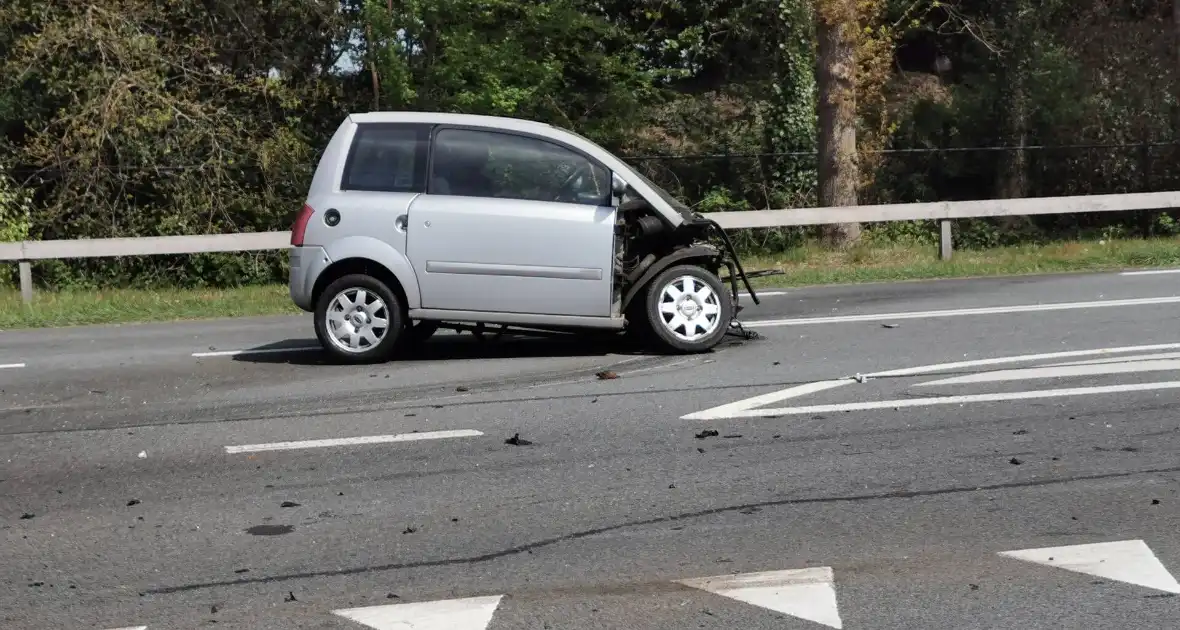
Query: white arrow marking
(736, 409)
(473, 613)
(804, 593)
(1130, 561)
(991, 310)
(954, 400)
(744, 408)
(1129, 367)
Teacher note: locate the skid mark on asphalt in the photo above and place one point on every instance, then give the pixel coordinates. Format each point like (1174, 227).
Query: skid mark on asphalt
(549, 542)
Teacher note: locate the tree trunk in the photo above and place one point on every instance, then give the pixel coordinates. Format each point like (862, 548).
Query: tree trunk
(836, 77)
(1176, 70)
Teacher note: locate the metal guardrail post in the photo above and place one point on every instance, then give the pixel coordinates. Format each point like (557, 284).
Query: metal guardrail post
(944, 239)
(26, 282)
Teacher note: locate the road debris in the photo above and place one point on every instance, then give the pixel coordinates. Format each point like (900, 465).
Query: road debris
(461, 388)
(409, 530)
(1155, 501)
(606, 375)
(731, 436)
(1020, 432)
(890, 325)
(290, 597)
(1015, 462)
(516, 440)
(27, 515)
(707, 433)
(133, 502)
(142, 455)
(288, 504)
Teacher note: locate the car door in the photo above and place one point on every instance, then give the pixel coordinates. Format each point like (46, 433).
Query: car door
(498, 232)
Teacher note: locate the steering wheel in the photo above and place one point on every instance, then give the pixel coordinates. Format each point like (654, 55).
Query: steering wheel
(562, 190)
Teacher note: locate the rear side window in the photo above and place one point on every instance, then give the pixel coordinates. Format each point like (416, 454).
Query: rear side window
(387, 158)
(509, 166)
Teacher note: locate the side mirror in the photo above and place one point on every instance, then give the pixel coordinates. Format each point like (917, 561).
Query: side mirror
(618, 187)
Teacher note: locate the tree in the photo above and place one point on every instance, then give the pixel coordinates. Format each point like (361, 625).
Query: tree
(836, 26)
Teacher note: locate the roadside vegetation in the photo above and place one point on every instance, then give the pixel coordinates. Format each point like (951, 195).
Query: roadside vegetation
(134, 118)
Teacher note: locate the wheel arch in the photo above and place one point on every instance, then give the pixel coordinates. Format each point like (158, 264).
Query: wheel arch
(694, 253)
(364, 266)
(374, 257)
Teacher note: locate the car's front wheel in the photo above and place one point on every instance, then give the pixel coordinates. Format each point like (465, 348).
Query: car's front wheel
(688, 309)
(358, 319)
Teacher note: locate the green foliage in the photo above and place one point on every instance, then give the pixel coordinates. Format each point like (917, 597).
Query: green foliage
(136, 118)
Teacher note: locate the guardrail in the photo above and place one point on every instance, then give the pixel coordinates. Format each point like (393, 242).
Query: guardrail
(24, 252)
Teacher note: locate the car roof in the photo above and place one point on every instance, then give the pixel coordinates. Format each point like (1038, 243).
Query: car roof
(498, 122)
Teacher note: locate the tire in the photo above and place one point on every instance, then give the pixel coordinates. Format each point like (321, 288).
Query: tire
(334, 330)
(704, 323)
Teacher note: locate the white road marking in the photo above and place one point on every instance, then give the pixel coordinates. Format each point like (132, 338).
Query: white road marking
(234, 353)
(804, 593)
(1151, 272)
(991, 310)
(1130, 367)
(132, 628)
(762, 294)
(1024, 358)
(1130, 561)
(353, 441)
(1137, 357)
(953, 400)
(736, 409)
(11, 366)
(473, 613)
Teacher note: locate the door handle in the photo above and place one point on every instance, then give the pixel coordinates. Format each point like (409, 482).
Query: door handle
(400, 222)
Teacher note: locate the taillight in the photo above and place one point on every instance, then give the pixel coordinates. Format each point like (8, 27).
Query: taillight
(299, 228)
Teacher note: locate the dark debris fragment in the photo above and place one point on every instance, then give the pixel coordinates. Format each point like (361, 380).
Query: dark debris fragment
(27, 515)
(290, 597)
(1020, 432)
(410, 530)
(732, 436)
(288, 504)
(461, 388)
(606, 375)
(1015, 462)
(133, 502)
(707, 433)
(516, 440)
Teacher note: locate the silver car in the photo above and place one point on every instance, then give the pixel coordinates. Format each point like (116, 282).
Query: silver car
(417, 221)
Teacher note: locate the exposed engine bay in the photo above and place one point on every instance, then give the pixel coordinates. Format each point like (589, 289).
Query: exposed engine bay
(645, 244)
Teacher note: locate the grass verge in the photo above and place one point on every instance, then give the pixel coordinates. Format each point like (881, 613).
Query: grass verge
(801, 267)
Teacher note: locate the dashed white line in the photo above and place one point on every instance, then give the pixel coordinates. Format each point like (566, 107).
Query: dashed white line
(11, 366)
(234, 353)
(991, 310)
(353, 441)
(1150, 272)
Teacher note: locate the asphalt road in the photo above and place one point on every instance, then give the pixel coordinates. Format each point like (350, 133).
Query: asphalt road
(879, 451)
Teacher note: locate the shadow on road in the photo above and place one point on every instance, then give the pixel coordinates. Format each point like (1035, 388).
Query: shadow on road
(447, 347)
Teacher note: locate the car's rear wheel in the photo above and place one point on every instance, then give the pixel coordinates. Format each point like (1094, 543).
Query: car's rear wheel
(688, 309)
(358, 319)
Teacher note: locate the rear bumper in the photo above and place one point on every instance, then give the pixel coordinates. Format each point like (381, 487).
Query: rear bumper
(306, 263)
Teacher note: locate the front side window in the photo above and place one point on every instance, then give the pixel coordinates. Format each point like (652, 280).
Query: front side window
(387, 158)
(507, 166)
